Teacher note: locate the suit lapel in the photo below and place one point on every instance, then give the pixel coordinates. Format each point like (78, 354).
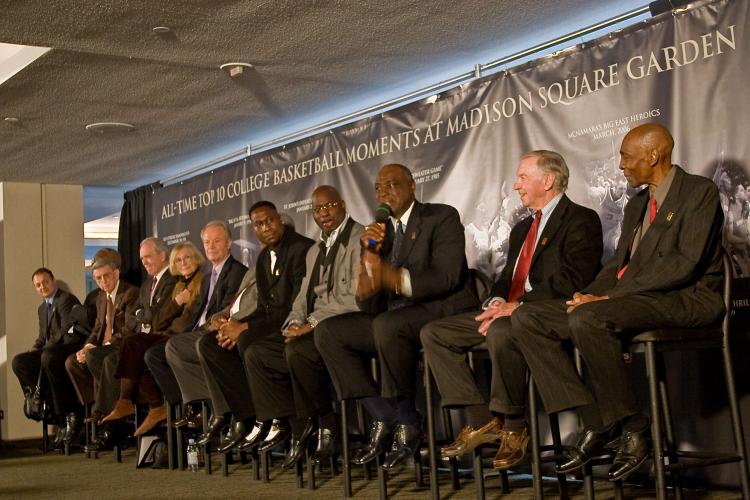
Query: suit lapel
(412, 232)
(550, 228)
(663, 220)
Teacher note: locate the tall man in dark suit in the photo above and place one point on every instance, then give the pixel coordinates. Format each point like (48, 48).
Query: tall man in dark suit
(287, 375)
(225, 357)
(414, 271)
(124, 370)
(175, 364)
(51, 347)
(115, 307)
(552, 253)
(666, 272)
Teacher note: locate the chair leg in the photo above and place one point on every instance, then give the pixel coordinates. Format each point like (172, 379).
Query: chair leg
(431, 444)
(562, 480)
(382, 479)
(656, 431)
(588, 482)
(504, 484)
(45, 435)
(346, 466)
(670, 441)
(170, 436)
(452, 462)
(536, 459)
(478, 473)
(734, 408)
(310, 465)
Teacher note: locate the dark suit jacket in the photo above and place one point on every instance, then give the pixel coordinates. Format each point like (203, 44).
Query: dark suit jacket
(433, 251)
(154, 309)
(566, 258)
(226, 287)
(276, 292)
(56, 330)
(126, 301)
(678, 260)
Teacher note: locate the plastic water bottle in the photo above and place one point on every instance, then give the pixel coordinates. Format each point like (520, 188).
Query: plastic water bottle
(192, 456)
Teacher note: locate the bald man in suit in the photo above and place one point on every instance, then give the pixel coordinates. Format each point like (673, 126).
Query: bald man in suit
(667, 271)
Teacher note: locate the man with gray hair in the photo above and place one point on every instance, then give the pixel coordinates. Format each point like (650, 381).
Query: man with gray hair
(175, 364)
(115, 307)
(552, 252)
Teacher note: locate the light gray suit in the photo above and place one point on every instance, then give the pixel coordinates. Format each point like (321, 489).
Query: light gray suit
(291, 379)
(183, 356)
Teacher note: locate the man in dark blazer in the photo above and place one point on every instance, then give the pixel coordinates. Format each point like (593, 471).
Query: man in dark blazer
(413, 271)
(667, 272)
(52, 346)
(155, 291)
(115, 307)
(288, 378)
(175, 365)
(552, 253)
(225, 357)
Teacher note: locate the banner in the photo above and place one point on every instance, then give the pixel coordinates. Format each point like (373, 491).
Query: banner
(686, 70)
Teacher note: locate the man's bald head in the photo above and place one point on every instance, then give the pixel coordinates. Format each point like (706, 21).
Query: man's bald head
(646, 155)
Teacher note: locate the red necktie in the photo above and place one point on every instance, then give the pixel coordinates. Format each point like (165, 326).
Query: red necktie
(652, 209)
(524, 260)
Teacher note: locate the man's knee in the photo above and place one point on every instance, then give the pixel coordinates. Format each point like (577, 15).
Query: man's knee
(499, 335)
(324, 334)
(155, 355)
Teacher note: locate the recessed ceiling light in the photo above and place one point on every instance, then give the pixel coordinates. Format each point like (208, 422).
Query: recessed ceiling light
(236, 68)
(110, 127)
(160, 30)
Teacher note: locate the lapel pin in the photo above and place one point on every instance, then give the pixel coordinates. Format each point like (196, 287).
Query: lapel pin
(669, 216)
(413, 235)
(544, 241)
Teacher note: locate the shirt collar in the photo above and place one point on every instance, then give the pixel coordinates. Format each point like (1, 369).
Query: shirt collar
(113, 294)
(161, 273)
(218, 267)
(660, 193)
(331, 239)
(551, 205)
(404, 218)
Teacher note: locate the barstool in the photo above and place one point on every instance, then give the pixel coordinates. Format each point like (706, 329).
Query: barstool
(654, 344)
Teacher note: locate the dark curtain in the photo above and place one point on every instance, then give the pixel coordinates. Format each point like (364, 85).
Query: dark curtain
(135, 225)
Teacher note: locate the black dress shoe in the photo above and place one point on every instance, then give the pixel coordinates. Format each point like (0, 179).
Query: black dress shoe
(215, 424)
(256, 436)
(72, 428)
(237, 431)
(300, 444)
(277, 434)
(589, 445)
(405, 443)
(327, 446)
(631, 453)
(381, 435)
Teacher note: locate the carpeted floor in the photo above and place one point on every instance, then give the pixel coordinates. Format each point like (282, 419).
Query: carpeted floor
(27, 474)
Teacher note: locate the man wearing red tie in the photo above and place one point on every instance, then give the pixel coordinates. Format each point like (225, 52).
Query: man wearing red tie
(666, 272)
(553, 252)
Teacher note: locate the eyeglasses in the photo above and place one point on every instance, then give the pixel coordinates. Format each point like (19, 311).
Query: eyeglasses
(326, 208)
(184, 258)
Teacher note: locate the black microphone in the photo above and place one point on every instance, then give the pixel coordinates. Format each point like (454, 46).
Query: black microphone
(382, 214)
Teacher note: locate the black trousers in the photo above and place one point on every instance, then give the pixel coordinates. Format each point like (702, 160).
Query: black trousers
(225, 374)
(156, 361)
(287, 379)
(55, 381)
(597, 330)
(346, 343)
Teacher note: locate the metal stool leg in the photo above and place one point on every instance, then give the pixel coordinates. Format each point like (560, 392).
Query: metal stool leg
(536, 459)
(347, 471)
(656, 432)
(734, 409)
(431, 444)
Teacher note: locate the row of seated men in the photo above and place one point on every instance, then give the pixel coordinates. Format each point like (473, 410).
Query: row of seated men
(263, 346)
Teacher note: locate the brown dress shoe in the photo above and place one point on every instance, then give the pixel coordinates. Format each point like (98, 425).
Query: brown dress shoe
(470, 438)
(512, 449)
(155, 415)
(123, 408)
